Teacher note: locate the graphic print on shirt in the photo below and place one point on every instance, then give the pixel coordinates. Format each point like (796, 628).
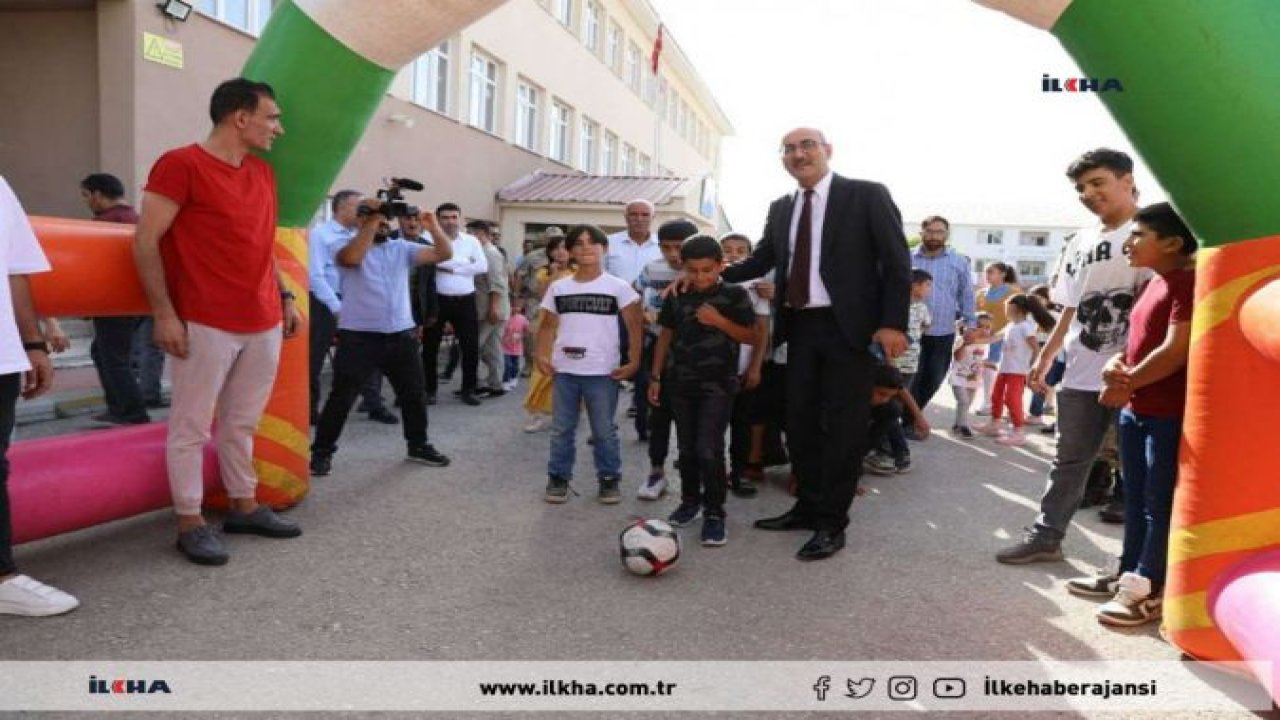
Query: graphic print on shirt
(1105, 317)
(587, 303)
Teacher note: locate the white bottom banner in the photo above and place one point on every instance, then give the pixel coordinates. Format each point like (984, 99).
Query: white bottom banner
(828, 686)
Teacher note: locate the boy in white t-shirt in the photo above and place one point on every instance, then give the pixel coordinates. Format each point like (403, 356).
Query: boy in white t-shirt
(1098, 290)
(578, 346)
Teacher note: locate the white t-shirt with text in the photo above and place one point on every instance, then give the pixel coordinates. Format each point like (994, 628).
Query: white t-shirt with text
(587, 341)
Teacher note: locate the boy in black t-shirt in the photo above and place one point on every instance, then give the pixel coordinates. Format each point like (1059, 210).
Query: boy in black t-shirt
(702, 329)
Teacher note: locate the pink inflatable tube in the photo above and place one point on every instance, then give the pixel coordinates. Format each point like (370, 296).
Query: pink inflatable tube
(1245, 603)
(70, 482)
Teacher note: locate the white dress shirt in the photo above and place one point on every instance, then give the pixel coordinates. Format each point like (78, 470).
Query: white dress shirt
(468, 261)
(323, 243)
(818, 296)
(626, 258)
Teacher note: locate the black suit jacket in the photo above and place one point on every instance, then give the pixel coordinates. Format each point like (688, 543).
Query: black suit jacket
(865, 264)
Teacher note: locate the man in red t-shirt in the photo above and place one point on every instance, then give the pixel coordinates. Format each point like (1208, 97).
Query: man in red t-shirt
(204, 254)
(1149, 380)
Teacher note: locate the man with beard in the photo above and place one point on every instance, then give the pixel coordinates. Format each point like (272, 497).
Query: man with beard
(377, 333)
(952, 299)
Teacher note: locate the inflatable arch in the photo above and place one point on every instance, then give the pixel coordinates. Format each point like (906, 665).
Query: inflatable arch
(1223, 598)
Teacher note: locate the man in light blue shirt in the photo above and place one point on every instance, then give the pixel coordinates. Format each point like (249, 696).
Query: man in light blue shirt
(377, 332)
(631, 249)
(952, 299)
(323, 243)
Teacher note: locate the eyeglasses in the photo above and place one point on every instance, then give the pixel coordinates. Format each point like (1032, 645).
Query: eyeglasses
(807, 146)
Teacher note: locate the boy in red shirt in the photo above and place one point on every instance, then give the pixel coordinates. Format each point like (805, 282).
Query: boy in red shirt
(1149, 381)
(204, 253)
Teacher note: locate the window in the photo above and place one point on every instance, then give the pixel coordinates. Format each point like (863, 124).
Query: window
(560, 118)
(628, 160)
(587, 134)
(613, 46)
(1031, 268)
(563, 10)
(484, 93)
(980, 264)
(591, 25)
(1033, 239)
(527, 111)
(631, 67)
(642, 165)
(431, 79)
(607, 151)
(990, 237)
(248, 15)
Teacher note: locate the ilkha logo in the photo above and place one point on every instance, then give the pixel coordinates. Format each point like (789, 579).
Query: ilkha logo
(125, 686)
(1053, 84)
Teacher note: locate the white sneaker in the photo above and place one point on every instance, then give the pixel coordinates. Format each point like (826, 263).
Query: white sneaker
(1133, 604)
(537, 423)
(653, 488)
(21, 595)
(1013, 439)
(509, 386)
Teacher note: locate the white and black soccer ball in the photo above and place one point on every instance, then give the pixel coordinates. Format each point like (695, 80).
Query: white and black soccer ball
(649, 547)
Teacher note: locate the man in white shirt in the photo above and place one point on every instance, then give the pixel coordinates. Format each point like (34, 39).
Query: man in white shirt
(456, 289)
(24, 370)
(631, 249)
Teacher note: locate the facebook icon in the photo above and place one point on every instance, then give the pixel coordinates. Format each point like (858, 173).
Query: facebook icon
(822, 686)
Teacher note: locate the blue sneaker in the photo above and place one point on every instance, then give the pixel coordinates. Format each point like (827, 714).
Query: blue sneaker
(685, 514)
(713, 532)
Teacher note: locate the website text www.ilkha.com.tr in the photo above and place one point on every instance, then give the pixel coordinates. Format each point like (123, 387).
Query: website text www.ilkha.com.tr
(573, 688)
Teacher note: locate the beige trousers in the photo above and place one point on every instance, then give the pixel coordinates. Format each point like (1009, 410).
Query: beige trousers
(229, 375)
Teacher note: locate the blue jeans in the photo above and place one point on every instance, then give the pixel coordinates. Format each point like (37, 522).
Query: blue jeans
(511, 367)
(935, 360)
(1149, 456)
(600, 394)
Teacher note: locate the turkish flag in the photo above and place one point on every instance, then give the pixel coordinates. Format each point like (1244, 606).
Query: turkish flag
(657, 51)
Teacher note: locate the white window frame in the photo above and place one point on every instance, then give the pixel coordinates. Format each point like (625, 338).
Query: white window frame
(431, 78)
(1022, 266)
(643, 165)
(592, 13)
(588, 137)
(989, 236)
(558, 148)
(562, 11)
(631, 70)
(255, 20)
(628, 165)
(613, 46)
(1028, 238)
(608, 151)
(482, 91)
(528, 111)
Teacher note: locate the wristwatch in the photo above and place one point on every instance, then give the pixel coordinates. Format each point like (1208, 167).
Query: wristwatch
(40, 345)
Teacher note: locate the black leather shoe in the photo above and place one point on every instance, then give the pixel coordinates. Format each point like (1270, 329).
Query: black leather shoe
(786, 521)
(823, 544)
(384, 416)
(470, 399)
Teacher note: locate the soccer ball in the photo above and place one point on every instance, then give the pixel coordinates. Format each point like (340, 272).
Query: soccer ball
(649, 547)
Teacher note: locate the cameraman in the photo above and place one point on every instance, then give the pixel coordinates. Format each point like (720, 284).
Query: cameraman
(376, 331)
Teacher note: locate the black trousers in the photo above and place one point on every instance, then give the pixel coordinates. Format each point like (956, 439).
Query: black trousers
(460, 312)
(323, 327)
(9, 387)
(701, 421)
(740, 422)
(828, 410)
(112, 354)
(640, 396)
(360, 355)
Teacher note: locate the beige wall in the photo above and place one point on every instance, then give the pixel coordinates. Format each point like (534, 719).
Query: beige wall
(49, 92)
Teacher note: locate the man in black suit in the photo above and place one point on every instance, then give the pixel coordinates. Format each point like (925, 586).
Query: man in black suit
(843, 282)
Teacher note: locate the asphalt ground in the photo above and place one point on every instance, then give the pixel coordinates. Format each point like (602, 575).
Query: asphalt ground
(404, 562)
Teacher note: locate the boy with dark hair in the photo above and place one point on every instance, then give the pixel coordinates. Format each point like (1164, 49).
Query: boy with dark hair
(1149, 381)
(894, 455)
(1098, 288)
(578, 345)
(653, 422)
(744, 432)
(702, 329)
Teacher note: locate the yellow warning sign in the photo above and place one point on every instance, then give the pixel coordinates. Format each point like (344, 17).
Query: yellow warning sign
(161, 50)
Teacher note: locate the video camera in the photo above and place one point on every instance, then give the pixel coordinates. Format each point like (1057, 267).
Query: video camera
(393, 204)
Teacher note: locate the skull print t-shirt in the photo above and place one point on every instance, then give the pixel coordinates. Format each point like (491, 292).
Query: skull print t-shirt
(1097, 282)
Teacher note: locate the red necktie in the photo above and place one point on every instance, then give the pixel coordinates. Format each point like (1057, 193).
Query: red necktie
(801, 257)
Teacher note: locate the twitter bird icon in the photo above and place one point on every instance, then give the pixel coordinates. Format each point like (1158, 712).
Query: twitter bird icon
(860, 688)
